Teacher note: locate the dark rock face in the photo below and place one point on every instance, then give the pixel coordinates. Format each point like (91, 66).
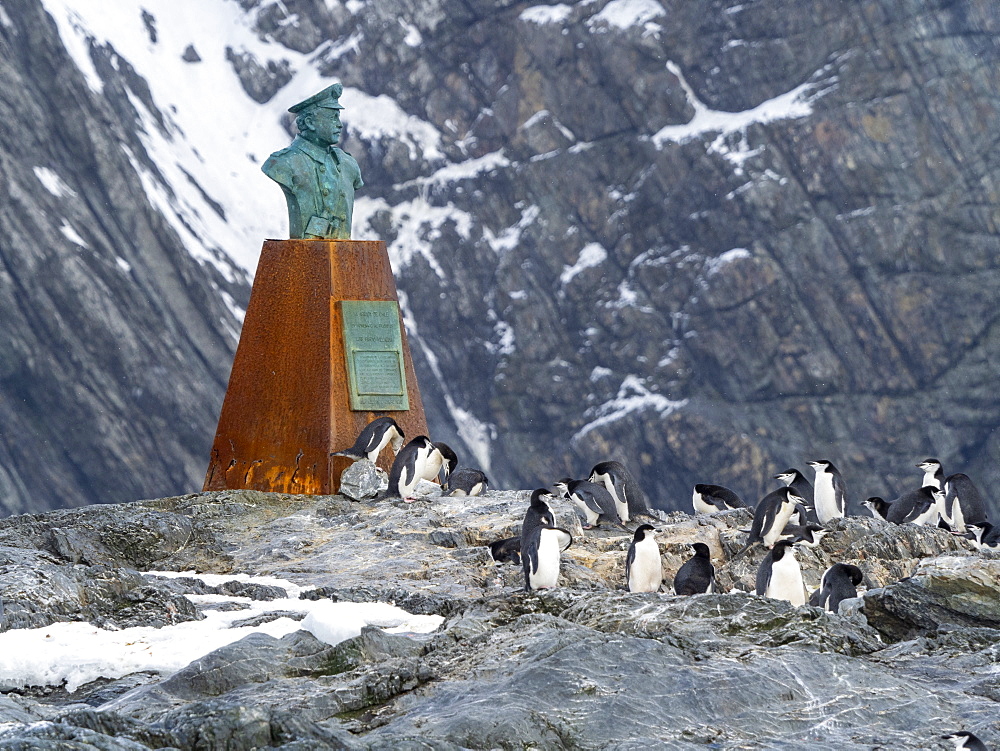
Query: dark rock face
(707, 239)
(586, 665)
(116, 344)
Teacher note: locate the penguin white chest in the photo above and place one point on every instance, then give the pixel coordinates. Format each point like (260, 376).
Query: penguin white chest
(957, 520)
(546, 575)
(646, 572)
(929, 517)
(786, 581)
(700, 506)
(432, 465)
(590, 516)
(621, 504)
(826, 498)
(784, 513)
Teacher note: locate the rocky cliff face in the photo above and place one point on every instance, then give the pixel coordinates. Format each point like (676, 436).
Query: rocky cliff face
(116, 343)
(711, 240)
(481, 664)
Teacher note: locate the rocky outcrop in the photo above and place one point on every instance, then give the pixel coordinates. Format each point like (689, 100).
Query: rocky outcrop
(116, 343)
(584, 666)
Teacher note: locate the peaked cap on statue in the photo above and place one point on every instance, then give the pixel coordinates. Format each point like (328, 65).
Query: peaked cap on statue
(328, 98)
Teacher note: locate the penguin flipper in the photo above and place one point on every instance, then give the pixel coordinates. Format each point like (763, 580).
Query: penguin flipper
(763, 578)
(565, 539)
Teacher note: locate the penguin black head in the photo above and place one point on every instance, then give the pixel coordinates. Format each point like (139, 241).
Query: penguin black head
(809, 534)
(822, 465)
(563, 485)
(856, 574)
(788, 476)
(931, 493)
(795, 498)
(877, 504)
(963, 739)
(641, 531)
(449, 456)
(701, 550)
(539, 498)
(929, 464)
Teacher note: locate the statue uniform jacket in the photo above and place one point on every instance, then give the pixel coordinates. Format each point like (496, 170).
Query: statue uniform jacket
(319, 187)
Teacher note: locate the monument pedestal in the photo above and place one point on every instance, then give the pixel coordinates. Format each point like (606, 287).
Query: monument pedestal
(288, 404)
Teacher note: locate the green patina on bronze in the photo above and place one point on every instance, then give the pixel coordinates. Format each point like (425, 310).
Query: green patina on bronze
(373, 345)
(317, 178)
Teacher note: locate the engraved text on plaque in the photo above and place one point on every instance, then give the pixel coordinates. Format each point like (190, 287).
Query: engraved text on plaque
(374, 350)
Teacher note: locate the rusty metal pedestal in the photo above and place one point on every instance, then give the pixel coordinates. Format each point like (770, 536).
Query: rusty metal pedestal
(287, 405)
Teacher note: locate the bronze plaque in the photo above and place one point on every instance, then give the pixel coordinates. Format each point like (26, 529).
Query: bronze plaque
(373, 346)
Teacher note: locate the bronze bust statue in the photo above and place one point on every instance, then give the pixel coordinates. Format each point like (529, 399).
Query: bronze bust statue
(317, 178)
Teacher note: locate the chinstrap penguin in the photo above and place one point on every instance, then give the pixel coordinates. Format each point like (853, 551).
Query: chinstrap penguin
(779, 576)
(508, 549)
(643, 567)
(618, 481)
(807, 535)
(595, 503)
(697, 575)
(771, 516)
(542, 543)
(466, 481)
(878, 506)
(965, 741)
(916, 507)
(828, 491)
(804, 490)
(985, 535)
(839, 582)
(408, 469)
(963, 504)
(441, 460)
(933, 473)
(711, 499)
(374, 437)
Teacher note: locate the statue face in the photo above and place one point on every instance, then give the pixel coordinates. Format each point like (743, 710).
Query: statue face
(326, 126)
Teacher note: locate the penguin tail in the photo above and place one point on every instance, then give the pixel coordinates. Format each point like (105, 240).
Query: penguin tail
(346, 452)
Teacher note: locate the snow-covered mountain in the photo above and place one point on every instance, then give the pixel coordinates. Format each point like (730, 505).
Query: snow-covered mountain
(709, 239)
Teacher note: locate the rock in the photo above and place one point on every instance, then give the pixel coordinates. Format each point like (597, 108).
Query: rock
(584, 665)
(38, 591)
(943, 592)
(360, 480)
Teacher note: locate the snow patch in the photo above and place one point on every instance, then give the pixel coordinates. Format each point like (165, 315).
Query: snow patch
(123, 265)
(543, 14)
(592, 254)
(216, 136)
(77, 653)
(72, 235)
(793, 104)
(715, 265)
(623, 14)
(413, 37)
(51, 181)
(379, 116)
(467, 170)
(633, 396)
(418, 225)
(509, 237)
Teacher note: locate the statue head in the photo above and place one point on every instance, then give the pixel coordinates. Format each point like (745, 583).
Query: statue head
(318, 117)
